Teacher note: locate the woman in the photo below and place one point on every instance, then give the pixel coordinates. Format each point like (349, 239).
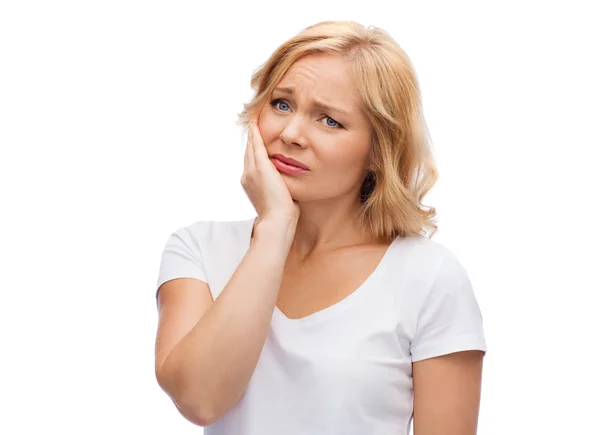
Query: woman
(330, 312)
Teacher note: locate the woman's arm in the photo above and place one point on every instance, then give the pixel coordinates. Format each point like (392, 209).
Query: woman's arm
(209, 369)
(447, 393)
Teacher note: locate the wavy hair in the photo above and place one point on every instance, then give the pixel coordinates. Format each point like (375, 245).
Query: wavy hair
(401, 155)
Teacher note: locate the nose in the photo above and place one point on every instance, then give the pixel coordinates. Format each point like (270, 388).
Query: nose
(292, 132)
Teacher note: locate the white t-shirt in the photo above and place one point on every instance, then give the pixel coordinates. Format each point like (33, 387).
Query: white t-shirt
(345, 369)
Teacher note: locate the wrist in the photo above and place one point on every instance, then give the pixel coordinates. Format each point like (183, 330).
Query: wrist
(279, 228)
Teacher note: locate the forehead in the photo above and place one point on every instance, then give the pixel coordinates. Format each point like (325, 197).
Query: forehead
(323, 77)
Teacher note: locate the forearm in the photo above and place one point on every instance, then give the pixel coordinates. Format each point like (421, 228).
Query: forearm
(209, 370)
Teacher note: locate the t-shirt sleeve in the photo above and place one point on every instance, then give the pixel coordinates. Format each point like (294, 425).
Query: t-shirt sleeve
(181, 258)
(450, 319)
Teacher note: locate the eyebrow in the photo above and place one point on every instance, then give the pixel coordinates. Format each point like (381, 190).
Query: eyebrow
(317, 104)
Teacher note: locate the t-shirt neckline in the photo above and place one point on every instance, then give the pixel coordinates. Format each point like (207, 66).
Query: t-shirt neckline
(328, 312)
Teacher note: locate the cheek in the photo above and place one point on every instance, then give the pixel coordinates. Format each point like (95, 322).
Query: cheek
(268, 127)
(342, 156)
(342, 160)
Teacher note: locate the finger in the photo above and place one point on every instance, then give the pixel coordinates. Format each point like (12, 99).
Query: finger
(251, 151)
(254, 147)
(260, 150)
(247, 152)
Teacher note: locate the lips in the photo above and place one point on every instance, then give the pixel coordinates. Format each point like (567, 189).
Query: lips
(289, 161)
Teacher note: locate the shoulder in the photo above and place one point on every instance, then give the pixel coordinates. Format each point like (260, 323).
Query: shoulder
(440, 305)
(424, 256)
(447, 293)
(444, 269)
(207, 231)
(425, 270)
(204, 228)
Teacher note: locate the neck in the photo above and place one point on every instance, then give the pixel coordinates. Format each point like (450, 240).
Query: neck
(327, 225)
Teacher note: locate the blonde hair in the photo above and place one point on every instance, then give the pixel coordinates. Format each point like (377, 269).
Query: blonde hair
(401, 155)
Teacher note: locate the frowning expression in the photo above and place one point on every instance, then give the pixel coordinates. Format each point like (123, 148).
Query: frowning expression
(314, 116)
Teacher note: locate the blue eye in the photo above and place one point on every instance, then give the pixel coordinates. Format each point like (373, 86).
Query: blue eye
(277, 101)
(336, 123)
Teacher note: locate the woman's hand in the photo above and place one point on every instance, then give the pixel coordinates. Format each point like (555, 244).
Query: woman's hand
(263, 183)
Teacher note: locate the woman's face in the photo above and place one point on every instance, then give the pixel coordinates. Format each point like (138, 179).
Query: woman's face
(333, 144)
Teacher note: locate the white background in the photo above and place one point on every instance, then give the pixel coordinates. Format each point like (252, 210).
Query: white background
(117, 126)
